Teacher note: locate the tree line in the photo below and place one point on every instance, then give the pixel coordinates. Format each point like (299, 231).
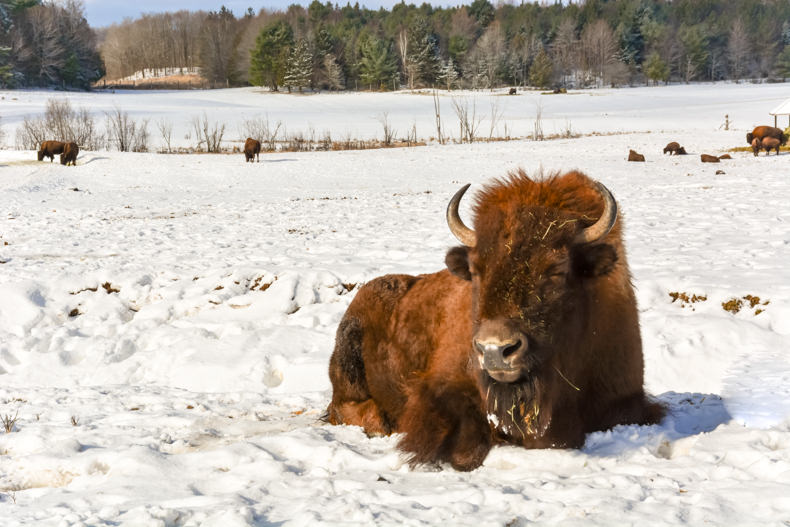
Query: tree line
(43, 43)
(546, 44)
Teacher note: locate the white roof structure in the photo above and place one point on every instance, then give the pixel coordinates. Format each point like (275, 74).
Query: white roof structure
(782, 109)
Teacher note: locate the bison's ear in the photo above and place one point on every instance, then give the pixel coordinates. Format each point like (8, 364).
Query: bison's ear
(594, 260)
(457, 261)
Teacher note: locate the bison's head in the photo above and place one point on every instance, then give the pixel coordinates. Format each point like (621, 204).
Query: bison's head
(749, 137)
(41, 155)
(534, 249)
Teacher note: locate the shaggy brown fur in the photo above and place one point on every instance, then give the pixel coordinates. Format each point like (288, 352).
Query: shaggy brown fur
(252, 150)
(50, 149)
(674, 148)
(762, 132)
(69, 155)
(634, 156)
(756, 146)
(707, 158)
(511, 91)
(407, 356)
(770, 143)
(725, 156)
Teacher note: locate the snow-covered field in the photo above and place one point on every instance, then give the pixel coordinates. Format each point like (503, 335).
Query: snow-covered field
(166, 321)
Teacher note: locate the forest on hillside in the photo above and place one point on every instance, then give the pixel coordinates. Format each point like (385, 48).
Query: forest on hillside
(481, 45)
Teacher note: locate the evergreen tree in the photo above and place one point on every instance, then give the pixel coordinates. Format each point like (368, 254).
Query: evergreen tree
(300, 67)
(541, 71)
(269, 58)
(783, 62)
(482, 11)
(377, 68)
(656, 69)
(448, 76)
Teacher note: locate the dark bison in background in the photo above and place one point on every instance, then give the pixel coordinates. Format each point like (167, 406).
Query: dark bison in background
(69, 155)
(252, 148)
(529, 337)
(50, 149)
(762, 132)
(674, 148)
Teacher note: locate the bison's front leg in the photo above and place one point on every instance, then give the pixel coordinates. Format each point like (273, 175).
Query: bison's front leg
(444, 421)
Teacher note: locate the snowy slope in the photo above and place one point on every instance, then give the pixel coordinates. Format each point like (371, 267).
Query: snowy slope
(166, 323)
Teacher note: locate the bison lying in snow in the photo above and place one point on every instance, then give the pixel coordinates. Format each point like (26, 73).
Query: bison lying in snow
(634, 156)
(252, 148)
(767, 143)
(69, 155)
(762, 132)
(530, 336)
(50, 149)
(674, 148)
(707, 158)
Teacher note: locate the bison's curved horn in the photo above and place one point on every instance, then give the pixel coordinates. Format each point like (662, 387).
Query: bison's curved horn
(464, 234)
(600, 228)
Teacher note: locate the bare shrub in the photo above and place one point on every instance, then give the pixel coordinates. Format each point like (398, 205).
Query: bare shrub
(496, 116)
(437, 111)
(467, 118)
(411, 135)
(261, 129)
(60, 122)
(389, 131)
(166, 131)
(537, 129)
(9, 422)
(208, 133)
(124, 133)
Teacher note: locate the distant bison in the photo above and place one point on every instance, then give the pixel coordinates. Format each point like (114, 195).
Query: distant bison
(770, 143)
(706, 158)
(674, 148)
(50, 149)
(511, 91)
(530, 337)
(634, 156)
(761, 132)
(252, 150)
(69, 155)
(725, 156)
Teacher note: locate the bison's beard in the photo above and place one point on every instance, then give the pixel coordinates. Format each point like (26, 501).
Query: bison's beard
(514, 409)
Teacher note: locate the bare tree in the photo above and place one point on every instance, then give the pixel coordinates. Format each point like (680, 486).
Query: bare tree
(738, 48)
(208, 133)
(468, 120)
(496, 116)
(437, 111)
(125, 134)
(565, 51)
(599, 49)
(389, 131)
(537, 128)
(165, 128)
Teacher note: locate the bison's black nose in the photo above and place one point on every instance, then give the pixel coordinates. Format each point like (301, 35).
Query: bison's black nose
(499, 355)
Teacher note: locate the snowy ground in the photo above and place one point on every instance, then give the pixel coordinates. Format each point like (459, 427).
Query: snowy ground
(166, 323)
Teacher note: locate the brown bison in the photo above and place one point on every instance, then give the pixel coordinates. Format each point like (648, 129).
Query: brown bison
(69, 155)
(762, 132)
(674, 148)
(252, 150)
(529, 337)
(770, 143)
(756, 145)
(725, 156)
(707, 158)
(511, 91)
(634, 156)
(50, 149)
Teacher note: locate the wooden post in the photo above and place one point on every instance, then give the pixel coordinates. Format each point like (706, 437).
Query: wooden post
(775, 122)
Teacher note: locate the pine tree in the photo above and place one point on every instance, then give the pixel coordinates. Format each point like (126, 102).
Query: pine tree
(299, 70)
(448, 75)
(377, 66)
(783, 63)
(541, 70)
(269, 58)
(656, 69)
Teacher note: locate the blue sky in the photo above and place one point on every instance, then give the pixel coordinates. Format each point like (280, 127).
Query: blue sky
(104, 12)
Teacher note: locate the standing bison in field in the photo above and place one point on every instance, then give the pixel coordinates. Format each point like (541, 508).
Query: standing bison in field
(252, 150)
(674, 148)
(762, 132)
(50, 149)
(767, 143)
(69, 155)
(530, 336)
